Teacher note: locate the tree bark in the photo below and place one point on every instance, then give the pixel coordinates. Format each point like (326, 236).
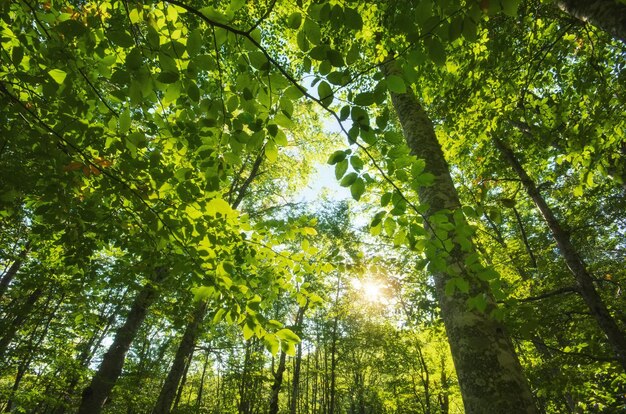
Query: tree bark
(608, 15)
(295, 387)
(8, 277)
(183, 356)
(96, 394)
(23, 313)
(201, 386)
(488, 370)
(278, 381)
(574, 262)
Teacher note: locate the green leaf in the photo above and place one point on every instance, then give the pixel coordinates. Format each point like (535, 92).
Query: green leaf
(287, 335)
(341, 168)
(167, 77)
(509, 7)
(365, 98)
(348, 179)
(71, 28)
(271, 343)
(336, 156)
(194, 42)
(312, 31)
(436, 51)
(469, 29)
(248, 331)
(58, 75)
(356, 162)
(236, 5)
(121, 38)
(271, 151)
(193, 92)
(385, 199)
(124, 121)
(360, 116)
(202, 292)
(396, 84)
(357, 188)
(352, 19)
(325, 93)
(294, 20)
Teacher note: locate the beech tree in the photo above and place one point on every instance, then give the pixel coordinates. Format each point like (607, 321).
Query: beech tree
(160, 250)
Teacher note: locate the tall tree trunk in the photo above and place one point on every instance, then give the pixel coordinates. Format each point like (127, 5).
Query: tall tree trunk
(201, 386)
(444, 394)
(295, 387)
(608, 15)
(182, 358)
(489, 373)
(181, 386)
(278, 381)
(32, 348)
(96, 394)
(23, 312)
(244, 404)
(8, 277)
(572, 258)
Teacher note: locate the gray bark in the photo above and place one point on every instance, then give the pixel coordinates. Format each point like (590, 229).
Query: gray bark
(182, 358)
(8, 277)
(574, 262)
(277, 384)
(489, 373)
(608, 15)
(22, 314)
(96, 394)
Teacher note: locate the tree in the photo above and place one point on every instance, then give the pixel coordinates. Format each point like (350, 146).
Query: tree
(504, 388)
(180, 135)
(606, 14)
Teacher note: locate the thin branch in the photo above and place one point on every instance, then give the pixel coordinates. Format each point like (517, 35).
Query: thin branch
(253, 174)
(533, 260)
(265, 16)
(561, 291)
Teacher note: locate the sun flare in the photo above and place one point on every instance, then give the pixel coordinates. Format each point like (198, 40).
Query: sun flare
(371, 290)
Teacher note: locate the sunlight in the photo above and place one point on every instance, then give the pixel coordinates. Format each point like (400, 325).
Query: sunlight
(371, 290)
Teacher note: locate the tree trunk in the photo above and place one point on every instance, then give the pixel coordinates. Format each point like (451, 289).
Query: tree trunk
(182, 358)
(23, 312)
(295, 387)
(278, 381)
(8, 277)
(96, 394)
(444, 394)
(181, 386)
(608, 15)
(573, 260)
(489, 373)
(201, 386)
(244, 404)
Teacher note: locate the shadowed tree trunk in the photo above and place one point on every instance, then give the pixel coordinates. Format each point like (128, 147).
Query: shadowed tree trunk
(23, 312)
(8, 277)
(96, 394)
(489, 373)
(201, 386)
(182, 358)
(572, 258)
(295, 388)
(278, 381)
(608, 15)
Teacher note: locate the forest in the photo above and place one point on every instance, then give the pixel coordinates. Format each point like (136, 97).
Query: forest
(312, 206)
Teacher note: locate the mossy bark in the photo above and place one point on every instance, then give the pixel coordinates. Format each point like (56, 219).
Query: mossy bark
(608, 15)
(489, 373)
